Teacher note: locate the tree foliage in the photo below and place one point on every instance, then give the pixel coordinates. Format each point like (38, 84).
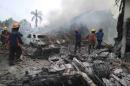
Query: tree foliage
(6, 22)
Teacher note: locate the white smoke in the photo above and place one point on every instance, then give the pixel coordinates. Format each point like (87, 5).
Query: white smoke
(72, 8)
(92, 13)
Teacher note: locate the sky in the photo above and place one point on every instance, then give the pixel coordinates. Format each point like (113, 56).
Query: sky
(20, 9)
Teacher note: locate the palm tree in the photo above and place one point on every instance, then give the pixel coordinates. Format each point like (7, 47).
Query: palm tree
(37, 15)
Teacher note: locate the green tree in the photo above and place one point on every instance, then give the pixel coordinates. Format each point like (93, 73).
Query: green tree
(37, 16)
(8, 22)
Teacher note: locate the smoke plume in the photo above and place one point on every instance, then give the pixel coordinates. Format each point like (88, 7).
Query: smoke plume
(90, 13)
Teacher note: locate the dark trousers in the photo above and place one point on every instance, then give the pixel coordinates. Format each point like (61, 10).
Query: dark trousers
(99, 44)
(14, 54)
(77, 46)
(91, 47)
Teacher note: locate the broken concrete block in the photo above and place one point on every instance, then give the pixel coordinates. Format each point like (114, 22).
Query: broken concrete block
(118, 71)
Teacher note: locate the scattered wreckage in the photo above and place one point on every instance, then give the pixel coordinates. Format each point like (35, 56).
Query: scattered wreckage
(100, 68)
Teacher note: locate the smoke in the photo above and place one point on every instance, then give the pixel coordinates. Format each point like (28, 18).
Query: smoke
(73, 8)
(90, 13)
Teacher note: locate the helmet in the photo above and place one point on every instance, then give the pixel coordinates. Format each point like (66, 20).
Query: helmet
(15, 25)
(93, 30)
(5, 28)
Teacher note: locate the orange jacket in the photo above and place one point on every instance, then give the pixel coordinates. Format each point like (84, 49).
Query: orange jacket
(91, 37)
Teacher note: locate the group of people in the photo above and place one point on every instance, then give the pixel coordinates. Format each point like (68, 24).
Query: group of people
(92, 39)
(13, 42)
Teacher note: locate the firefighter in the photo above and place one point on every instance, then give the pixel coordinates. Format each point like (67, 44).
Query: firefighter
(3, 36)
(6, 37)
(77, 41)
(99, 36)
(15, 43)
(91, 40)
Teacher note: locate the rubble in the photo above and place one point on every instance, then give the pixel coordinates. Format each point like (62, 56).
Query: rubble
(41, 53)
(63, 68)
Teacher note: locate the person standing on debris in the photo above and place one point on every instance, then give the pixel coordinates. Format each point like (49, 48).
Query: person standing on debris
(77, 41)
(3, 36)
(91, 40)
(99, 36)
(15, 43)
(6, 39)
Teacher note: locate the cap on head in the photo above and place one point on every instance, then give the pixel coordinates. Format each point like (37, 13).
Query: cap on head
(15, 25)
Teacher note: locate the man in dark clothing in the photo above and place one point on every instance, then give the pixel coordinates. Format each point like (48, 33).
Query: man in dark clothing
(3, 38)
(15, 42)
(77, 41)
(99, 36)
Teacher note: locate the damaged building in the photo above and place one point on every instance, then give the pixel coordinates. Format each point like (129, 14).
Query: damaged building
(123, 28)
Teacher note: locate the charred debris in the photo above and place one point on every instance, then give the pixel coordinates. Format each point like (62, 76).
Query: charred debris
(63, 68)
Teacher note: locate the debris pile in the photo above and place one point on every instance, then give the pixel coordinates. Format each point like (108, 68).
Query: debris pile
(100, 68)
(41, 53)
